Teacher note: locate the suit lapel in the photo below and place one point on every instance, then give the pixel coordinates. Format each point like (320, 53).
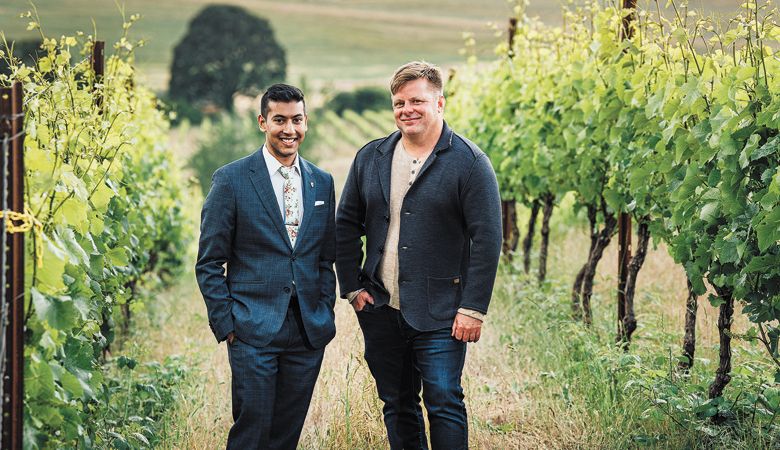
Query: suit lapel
(309, 194)
(384, 162)
(444, 142)
(424, 168)
(258, 174)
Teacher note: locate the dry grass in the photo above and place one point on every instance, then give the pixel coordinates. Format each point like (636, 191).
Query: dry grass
(345, 411)
(203, 418)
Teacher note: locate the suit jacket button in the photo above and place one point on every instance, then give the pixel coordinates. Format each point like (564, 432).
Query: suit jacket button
(387, 218)
(381, 249)
(286, 290)
(292, 257)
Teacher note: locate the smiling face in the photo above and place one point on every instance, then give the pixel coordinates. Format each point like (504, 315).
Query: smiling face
(285, 128)
(418, 108)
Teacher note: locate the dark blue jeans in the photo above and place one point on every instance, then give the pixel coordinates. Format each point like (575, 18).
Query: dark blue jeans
(403, 361)
(272, 387)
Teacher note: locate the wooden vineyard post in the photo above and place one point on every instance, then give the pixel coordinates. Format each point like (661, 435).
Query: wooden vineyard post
(12, 267)
(624, 219)
(509, 226)
(512, 30)
(98, 63)
(510, 231)
(624, 257)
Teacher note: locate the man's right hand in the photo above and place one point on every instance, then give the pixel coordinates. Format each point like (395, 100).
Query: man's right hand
(361, 299)
(230, 337)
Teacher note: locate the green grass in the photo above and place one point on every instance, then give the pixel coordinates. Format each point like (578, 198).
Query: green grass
(597, 396)
(335, 42)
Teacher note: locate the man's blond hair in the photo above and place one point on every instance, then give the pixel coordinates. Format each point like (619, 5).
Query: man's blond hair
(414, 71)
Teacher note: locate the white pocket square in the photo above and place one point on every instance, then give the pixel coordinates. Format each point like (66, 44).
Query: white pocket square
(319, 203)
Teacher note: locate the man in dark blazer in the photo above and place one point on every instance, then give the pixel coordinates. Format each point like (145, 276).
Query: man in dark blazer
(426, 199)
(269, 217)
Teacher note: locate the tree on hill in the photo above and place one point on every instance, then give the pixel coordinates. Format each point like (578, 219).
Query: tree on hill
(359, 100)
(226, 51)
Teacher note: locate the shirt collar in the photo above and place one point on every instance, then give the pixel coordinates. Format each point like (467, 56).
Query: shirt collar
(273, 164)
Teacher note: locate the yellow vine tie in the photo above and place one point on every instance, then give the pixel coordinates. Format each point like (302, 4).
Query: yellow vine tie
(17, 222)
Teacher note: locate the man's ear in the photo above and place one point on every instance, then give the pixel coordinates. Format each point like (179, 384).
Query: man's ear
(441, 103)
(261, 123)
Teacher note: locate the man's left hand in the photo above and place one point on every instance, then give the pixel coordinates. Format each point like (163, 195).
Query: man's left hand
(466, 329)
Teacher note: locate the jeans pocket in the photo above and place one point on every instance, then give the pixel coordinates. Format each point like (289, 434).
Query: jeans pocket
(444, 297)
(368, 307)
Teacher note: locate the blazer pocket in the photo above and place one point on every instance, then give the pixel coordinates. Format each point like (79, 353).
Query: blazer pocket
(246, 289)
(444, 297)
(247, 282)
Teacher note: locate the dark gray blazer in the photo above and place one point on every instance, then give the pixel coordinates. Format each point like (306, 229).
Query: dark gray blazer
(450, 235)
(242, 225)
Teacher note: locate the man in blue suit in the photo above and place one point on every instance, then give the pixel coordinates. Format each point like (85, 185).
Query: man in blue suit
(426, 199)
(269, 218)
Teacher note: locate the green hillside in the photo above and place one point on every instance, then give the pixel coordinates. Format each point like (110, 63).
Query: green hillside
(332, 41)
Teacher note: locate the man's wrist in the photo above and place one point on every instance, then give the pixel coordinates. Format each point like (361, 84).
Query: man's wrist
(351, 296)
(471, 313)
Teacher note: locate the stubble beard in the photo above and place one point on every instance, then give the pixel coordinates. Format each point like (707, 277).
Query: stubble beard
(284, 153)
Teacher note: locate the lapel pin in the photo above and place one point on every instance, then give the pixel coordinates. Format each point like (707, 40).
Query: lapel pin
(312, 184)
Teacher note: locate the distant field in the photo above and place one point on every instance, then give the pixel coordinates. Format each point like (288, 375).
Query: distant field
(330, 42)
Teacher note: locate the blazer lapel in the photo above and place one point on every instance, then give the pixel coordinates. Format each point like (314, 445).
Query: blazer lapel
(444, 142)
(258, 174)
(309, 194)
(384, 162)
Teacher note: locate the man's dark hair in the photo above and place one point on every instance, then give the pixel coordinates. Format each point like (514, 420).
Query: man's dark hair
(281, 92)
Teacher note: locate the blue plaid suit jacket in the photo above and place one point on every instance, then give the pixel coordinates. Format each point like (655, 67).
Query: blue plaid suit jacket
(242, 227)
